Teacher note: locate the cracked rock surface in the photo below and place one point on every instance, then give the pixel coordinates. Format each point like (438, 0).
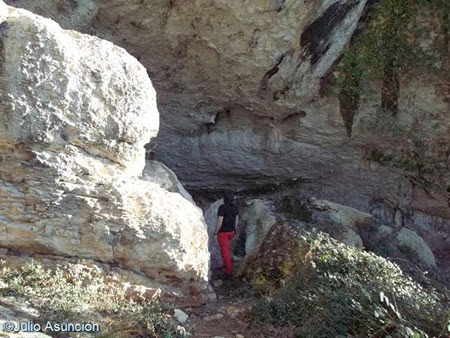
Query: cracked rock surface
(76, 112)
(239, 91)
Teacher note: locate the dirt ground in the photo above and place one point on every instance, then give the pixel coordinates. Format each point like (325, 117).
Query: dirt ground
(228, 317)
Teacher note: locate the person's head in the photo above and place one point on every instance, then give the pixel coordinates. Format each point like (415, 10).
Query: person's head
(228, 198)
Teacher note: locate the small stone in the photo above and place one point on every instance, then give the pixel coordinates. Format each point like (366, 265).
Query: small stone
(223, 311)
(181, 316)
(214, 317)
(212, 297)
(181, 330)
(239, 336)
(218, 283)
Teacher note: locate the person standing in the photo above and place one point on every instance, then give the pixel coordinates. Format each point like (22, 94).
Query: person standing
(227, 221)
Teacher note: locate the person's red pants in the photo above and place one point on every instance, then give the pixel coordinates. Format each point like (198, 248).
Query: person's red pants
(224, 239)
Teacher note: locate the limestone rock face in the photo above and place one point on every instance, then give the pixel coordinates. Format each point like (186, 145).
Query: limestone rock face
(357, 228)
(340, 232)
(398, 244)
(257, 218)
(210, 218)
(157, 172)
(238, 91)
(76, 112)
(410, 242)
(236, 81)
(17, 310)
(328, 211)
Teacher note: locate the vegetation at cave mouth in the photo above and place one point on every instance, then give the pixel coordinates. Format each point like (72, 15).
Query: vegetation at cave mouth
(334, 290)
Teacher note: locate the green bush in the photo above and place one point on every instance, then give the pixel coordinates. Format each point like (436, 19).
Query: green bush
(351, 293)
(86, 295)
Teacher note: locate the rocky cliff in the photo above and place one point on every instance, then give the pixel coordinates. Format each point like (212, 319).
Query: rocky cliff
(76, 112)
(244, 99)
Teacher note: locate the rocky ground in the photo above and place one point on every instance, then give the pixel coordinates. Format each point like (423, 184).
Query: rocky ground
(241, 90)
(228, 317)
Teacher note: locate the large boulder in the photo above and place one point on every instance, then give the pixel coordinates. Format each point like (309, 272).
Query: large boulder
(281, 250)
(357, 228)
(400, 244)
(76, 112)
(257, 217)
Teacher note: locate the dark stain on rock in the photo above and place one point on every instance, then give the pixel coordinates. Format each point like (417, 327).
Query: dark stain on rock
(295, 115)
(221, 115)
(390, 88)
(281, 5)
(174, 3)
(73, 4)
(314, 40)
(325, 80)
(66, 6)
(254, 42)
(348, 104)
(281, 94)
(271, 72)
(4, 27)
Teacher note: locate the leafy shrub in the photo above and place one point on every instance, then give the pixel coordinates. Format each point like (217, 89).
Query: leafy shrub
(343, 291)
